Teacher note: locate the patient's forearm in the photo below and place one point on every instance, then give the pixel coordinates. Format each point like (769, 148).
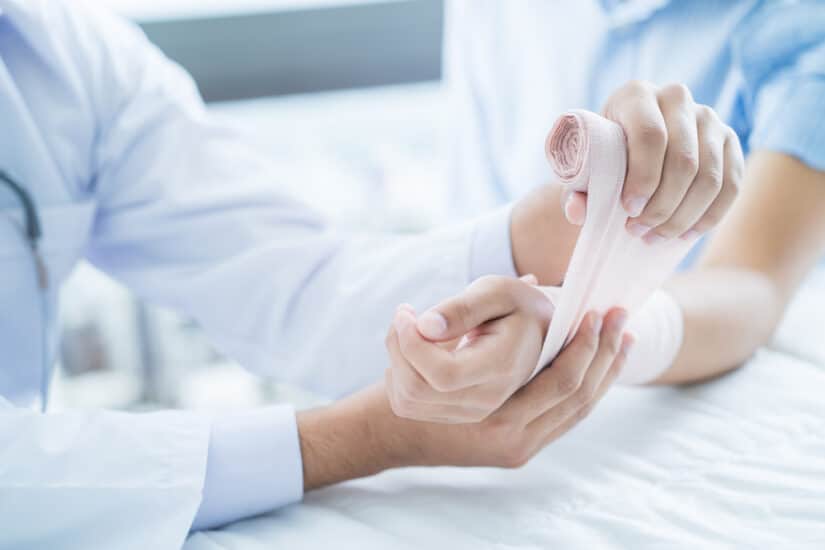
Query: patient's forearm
(751, 268)
(728, 314)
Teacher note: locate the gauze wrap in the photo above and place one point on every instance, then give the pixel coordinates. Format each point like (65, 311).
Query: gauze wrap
(609, 267)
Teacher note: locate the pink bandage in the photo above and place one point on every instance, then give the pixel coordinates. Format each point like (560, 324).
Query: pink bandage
(609, 267)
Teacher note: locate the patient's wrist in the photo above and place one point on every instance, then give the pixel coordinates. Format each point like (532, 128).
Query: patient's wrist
(542, 239)
(659, 328)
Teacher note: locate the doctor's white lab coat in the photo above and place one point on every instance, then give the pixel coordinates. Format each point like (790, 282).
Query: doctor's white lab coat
(127, 169)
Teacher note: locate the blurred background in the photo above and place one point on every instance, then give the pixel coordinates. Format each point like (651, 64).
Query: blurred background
(345, 96)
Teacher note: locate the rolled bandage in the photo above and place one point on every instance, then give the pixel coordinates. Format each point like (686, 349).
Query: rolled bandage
(659, 328)
(609, 267)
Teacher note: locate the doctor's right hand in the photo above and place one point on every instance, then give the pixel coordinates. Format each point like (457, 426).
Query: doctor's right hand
(461, 360)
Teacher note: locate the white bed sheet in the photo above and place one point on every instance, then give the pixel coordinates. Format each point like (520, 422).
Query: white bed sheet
(738, 462)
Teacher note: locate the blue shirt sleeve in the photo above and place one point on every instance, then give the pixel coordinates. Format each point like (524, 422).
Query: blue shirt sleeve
(781, 53)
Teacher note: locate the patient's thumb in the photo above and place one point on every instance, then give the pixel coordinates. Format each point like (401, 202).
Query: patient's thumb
(475, 306)
(575, 207)
(433, 325)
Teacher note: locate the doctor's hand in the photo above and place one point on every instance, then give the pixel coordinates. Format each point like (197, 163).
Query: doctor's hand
(462, 359)
(684, 165)
(361, 435)
(684, 169)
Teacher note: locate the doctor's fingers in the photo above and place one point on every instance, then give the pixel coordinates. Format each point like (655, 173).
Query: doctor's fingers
(681, 160)
(733, 173)
(635, 108)
(487, 298)
(549, 427)
(576, 372)
(404, 407)
(707, 184)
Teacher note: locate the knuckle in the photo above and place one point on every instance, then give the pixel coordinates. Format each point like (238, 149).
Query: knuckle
(676, 92)
(709, 220)
(584, 412)
(585, 395)
(655, 215)
(712, 178)
(652, 134)
(705, 113)
(463, 311)
(636, 87)
(489, 282)
(734, 189)
(498, 426)
(687, 162)
(667, 230)
(568, 384)
(515, 456)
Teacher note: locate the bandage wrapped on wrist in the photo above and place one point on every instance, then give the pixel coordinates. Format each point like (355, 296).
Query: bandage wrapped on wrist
(658, 327)
(609, 267)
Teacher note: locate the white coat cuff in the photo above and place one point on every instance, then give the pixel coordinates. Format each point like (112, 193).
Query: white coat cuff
(492, 252)
(253, 466)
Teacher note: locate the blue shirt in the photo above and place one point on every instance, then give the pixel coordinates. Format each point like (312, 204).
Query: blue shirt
(513, 67)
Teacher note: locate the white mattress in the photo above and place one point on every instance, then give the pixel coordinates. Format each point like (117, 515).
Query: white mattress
(738, 462)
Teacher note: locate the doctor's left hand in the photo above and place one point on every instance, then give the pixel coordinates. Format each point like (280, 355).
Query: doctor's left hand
(461, 360)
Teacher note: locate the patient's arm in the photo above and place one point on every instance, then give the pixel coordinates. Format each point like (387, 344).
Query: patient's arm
(733, 300)
(361, 435)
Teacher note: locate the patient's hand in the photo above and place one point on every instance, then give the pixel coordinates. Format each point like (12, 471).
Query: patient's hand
(461, 360)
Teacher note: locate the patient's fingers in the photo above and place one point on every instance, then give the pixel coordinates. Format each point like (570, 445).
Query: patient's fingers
(486, 298)
(436, 365)
(426, 412)
(410, 385)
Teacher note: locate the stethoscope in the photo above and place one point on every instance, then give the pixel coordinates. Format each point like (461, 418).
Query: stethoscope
(32, 232)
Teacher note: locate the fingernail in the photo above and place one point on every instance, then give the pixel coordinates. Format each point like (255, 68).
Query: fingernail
(638, 229)
(596, 327)
(432, 324)
(573, 214)
(635, 205)
(529, 279)
(653, 238)
(690, 235)
(406, 307)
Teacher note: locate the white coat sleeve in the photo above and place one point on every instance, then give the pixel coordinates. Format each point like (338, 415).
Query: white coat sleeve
(99, 479)
(191, 217)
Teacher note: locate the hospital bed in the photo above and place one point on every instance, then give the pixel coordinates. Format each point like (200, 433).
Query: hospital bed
(736, 462)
